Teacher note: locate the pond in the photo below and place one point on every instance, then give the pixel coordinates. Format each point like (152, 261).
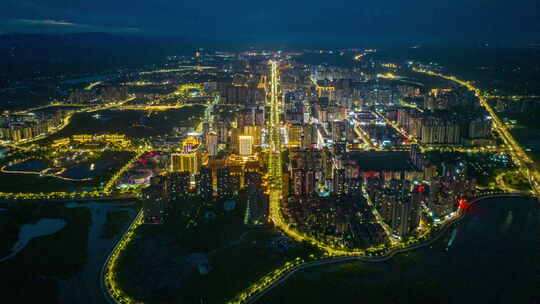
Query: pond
(86, 170)
(31, 165)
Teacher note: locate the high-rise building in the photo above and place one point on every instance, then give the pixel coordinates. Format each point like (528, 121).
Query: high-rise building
(295, 136)
(309, 136)
(479, 128)
(185, 162)
(246, 117)
(440, 131)
(405, 214)
(298, 182)
(260, 117)
(339, 131)
(222, 131)
(175, 162)
(255, 132)
(246, 145)
(234, 140)
(179, 183)
(155, 199)
(204, 182)
(416, 157)
(227, 183)
(338, 180)
(212, 143)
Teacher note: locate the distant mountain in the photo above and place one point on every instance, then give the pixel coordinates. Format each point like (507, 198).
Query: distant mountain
(31, 55)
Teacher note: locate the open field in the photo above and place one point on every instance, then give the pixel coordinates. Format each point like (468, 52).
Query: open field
(202, 254)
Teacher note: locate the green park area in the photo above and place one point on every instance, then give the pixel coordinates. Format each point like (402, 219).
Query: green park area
(132, 123)
(483, 167)
(116, 222)
(359, 282)
(203, 254)
(49, 170)
(516, 181)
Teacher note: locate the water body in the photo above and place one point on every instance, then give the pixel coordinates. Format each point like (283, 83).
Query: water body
(30, 231)
(13, 88)
(31, 165)
(85, 286)
(91, 78)
(492, 256)
(86, 171)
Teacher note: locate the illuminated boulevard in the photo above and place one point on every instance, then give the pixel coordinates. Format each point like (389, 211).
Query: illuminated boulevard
(275, 177)
(331, 255)
(519, 157)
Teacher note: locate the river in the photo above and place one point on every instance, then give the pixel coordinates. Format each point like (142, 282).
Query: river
(492, 256)
(85, 286)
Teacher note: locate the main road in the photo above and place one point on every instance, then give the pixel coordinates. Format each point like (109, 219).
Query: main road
(519, 157)
(282, 277)
(275, 174)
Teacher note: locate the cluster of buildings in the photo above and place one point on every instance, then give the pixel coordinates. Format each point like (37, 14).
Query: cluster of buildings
(445, 127)
(16, 128)
(420, 190)
(115, 140)
(98, 95)
(192, 172)
(330, 183)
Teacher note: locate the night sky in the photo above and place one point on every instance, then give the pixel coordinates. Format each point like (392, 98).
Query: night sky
(284, 21)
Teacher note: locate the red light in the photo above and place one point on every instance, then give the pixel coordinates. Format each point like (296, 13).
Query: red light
(371, 174)
(462, 203)
(420, 188)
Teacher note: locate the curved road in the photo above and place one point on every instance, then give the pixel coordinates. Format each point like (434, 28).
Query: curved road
(336, 260)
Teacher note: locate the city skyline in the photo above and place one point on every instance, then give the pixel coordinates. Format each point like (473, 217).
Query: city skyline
(285, 152)
(338, 23)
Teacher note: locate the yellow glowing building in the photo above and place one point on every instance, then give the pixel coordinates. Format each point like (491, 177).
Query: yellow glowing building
(190, 143)
(246, 145)
(294, 133)
(185, 162)
(255, 133)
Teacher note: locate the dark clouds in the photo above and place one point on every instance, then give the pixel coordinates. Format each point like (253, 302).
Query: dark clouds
(283, 20)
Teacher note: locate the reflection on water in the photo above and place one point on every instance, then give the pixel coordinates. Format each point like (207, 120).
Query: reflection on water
(91, 78)
(452, 238)
(86, 170)
(31, 165)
